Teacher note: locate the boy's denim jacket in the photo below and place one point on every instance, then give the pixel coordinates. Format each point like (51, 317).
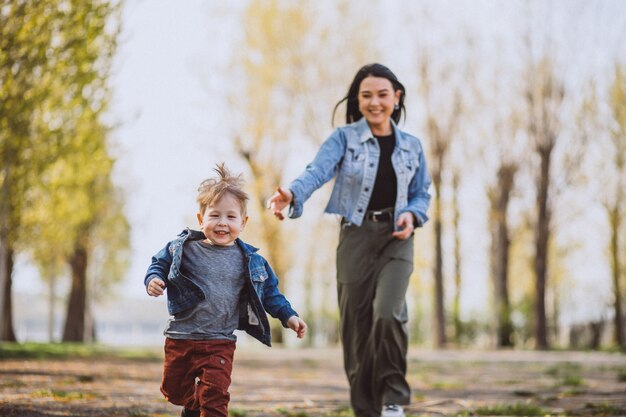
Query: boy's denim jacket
(259, 294)
(351, 153)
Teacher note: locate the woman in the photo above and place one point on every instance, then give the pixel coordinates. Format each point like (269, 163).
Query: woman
(381, 192)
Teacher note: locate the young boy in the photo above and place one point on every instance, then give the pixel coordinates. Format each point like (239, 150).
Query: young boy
(215, 284)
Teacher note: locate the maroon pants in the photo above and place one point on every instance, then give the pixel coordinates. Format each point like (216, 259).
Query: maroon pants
(210, 363)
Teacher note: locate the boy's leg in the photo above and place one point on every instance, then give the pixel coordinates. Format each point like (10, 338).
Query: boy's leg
(215, 359)
(179, 374)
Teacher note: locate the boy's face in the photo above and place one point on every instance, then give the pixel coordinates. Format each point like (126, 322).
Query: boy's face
(222, 222)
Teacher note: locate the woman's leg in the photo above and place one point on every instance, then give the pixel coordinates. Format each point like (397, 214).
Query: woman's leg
(355, 308)
(355, 292)
(389, 335)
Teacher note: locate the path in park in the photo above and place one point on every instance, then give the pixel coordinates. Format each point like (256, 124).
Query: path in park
(300, 383)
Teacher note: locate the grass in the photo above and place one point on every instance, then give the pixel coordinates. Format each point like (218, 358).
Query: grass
(136, 412)
(61, 395)
(33, 350)
(517, 409)
(236, 412)
(447, 385)
(291, 413)
(568, 374)
(12, 384)
(344, 411)
(603, 409)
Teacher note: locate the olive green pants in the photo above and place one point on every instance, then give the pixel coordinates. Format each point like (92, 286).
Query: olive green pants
(373, 271)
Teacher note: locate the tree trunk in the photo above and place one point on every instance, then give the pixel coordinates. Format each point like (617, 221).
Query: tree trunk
(500, 246)
(6, 326)
(4, 279)
(52, 294)
(8, 334)
(615, 222)
(76, 308)
(542, 236)
(456, 308)
(440, 319)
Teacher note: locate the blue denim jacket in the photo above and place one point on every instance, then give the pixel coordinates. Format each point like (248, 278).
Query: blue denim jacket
(260, 292)
(351, 154)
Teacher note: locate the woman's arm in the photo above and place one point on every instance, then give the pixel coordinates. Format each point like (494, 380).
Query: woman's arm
(317, 173)
(418, 195)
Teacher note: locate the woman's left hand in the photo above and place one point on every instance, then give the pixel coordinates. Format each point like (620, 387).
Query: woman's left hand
(405, 223)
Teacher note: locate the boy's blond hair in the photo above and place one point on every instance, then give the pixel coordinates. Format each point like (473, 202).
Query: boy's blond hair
(212, 190)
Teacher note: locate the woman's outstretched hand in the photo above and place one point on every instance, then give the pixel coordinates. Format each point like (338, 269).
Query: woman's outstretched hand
(279, 200)
(405, 223)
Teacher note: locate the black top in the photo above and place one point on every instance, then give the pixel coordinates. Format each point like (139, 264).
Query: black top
(386, 184)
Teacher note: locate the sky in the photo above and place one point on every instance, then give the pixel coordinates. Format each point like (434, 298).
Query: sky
(168, 103)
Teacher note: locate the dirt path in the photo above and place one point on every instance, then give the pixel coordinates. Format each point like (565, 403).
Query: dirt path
(300, 383)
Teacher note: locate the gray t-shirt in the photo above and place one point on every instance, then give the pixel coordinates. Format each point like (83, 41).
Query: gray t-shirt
(219, 271)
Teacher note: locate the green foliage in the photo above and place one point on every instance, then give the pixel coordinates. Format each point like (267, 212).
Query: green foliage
(56, 169)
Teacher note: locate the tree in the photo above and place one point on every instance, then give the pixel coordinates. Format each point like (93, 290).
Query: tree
(615, 202)
(285, 102)
(91, 51)
(26, 45)
(544, 98)
(55, 62)
(100, 226)
(441, 127)
(499, 198)
(503, 151)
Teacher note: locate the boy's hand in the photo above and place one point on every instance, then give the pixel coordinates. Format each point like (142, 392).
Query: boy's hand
(298, 325)
(155, 287)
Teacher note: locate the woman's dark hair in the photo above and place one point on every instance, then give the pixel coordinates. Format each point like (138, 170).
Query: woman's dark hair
(352, 99)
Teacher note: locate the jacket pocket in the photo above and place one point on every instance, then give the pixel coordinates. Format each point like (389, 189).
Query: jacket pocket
(410, 162)
(353, 161)
(258, 278)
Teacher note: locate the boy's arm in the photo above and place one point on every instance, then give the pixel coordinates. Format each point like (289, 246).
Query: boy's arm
(274, 302)
(159, 267)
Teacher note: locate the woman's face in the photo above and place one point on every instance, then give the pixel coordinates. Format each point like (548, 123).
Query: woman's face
(377, 99)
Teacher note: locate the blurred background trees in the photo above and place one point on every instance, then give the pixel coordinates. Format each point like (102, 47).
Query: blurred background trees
(58, 196)
(525, 134)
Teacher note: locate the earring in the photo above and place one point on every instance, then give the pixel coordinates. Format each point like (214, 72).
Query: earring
(396, 106)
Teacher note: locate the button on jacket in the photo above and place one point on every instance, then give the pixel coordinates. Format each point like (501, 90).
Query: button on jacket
(260, 292)
(351, 154)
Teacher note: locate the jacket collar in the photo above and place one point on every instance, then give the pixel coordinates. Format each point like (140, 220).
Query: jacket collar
(365, 133)
(190, 234)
